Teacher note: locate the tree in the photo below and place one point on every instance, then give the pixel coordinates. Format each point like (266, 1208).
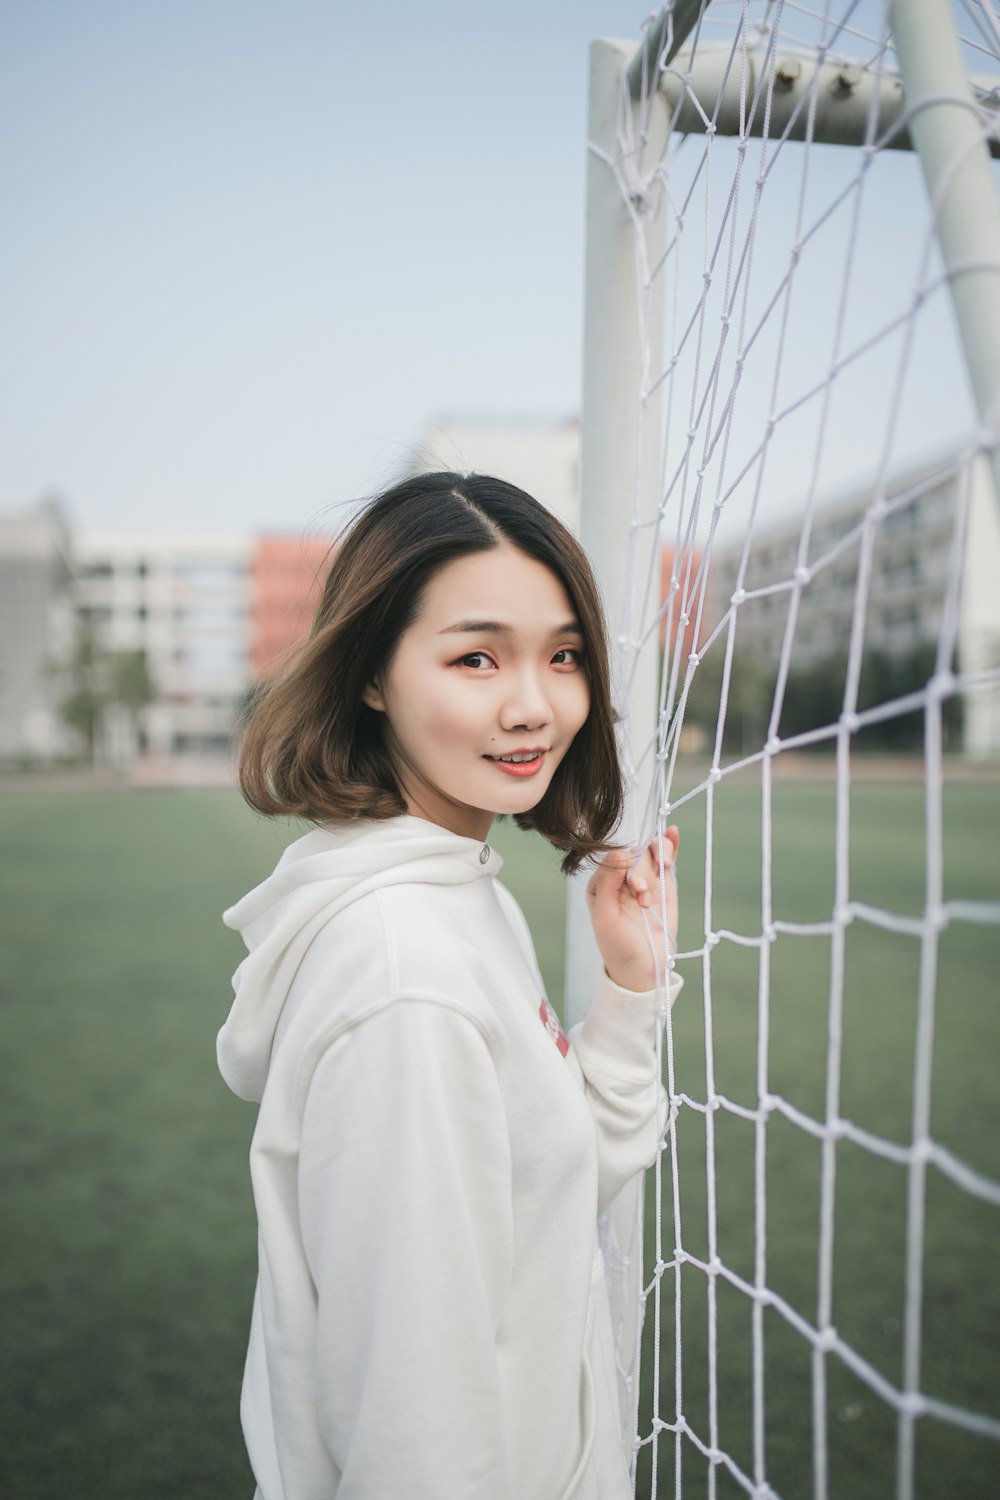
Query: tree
(748, 704)
(99, 680)
(86, 673)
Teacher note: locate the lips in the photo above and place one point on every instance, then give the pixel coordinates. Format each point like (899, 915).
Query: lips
(521, 768)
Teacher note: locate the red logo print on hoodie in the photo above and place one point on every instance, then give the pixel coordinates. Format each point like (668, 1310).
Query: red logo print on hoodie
(551, 1023)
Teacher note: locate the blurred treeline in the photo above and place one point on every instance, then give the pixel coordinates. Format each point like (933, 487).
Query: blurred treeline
(814, 698)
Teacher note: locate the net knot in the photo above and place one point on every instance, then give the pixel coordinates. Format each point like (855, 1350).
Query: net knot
(803, 575)
(941, 685)
(768, 1104)
(938, 917)
(737, 596)
(715, 1266)
(827, 1340)
(878, 510)
(715, 775)
(773, 745)
(712, 940)
(770, 933)
(851, 723)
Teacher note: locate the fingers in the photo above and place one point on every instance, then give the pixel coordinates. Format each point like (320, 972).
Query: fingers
(644, 877)
(613, 868)
(640, 874)
(610, 874)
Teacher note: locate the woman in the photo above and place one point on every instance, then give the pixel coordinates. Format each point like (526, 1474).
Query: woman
(431, 1151)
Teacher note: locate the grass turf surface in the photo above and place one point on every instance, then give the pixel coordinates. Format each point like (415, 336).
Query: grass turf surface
(128, 1227)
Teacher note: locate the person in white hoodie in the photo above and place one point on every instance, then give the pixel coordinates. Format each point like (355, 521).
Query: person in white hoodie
(432, 1152)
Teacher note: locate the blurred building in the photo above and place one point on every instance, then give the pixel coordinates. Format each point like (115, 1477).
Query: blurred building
(211, 615)
(286, 577)
(540, 457)
(36, 631)
(185, 602)
(911, 564)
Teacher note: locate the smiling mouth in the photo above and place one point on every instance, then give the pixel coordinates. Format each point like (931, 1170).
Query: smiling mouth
(518, 757)
(520, 764)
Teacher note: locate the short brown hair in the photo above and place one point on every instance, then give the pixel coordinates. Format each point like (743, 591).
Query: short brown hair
(312, 748)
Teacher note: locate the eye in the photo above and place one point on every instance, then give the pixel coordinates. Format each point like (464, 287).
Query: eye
(475, 656)
(569, 651)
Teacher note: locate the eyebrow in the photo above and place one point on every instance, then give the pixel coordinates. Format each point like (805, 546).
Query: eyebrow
(494, 627)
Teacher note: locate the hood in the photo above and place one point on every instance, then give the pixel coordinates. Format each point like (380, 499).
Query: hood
(316, 878)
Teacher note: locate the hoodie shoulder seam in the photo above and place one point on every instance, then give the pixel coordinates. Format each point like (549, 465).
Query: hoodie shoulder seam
(324, 1040)
(390, 942)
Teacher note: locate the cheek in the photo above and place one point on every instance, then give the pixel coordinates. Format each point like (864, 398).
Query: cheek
(579, 705)
(446, 714)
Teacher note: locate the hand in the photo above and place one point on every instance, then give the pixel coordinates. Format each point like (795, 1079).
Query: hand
(623, 902)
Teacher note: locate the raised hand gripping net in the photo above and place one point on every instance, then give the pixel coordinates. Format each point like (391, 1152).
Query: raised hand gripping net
(822, 1300)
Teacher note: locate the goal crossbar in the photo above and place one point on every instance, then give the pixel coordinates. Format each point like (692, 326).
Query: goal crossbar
(704, 92)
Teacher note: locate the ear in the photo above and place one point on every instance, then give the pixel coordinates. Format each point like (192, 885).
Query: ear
(372, 695)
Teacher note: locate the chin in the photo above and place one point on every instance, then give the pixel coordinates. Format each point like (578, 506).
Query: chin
(526, 802)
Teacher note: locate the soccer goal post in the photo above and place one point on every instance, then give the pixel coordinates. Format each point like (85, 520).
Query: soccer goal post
(789, 477)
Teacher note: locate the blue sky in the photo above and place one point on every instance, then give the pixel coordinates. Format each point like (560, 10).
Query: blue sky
(251, 248)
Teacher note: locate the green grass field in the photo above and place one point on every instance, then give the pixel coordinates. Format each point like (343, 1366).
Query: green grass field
(127, 1223)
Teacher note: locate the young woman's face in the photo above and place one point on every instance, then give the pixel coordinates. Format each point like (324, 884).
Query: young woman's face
(492, 666)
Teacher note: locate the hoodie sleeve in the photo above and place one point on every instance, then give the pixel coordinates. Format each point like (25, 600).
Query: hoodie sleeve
(612, 1051)
(405, 1205)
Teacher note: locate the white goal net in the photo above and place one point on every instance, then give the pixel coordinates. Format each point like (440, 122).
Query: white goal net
(807, 617)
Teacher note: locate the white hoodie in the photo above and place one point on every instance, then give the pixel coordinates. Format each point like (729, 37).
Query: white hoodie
(429, 1160)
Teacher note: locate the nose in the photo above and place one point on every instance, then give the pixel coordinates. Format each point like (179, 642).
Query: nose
(526, 705)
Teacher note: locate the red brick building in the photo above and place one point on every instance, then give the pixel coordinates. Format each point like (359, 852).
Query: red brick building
(286, 578)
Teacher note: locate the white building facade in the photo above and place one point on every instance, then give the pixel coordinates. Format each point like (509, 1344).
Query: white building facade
(185, 602)
(911, 565)
(540, 457)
